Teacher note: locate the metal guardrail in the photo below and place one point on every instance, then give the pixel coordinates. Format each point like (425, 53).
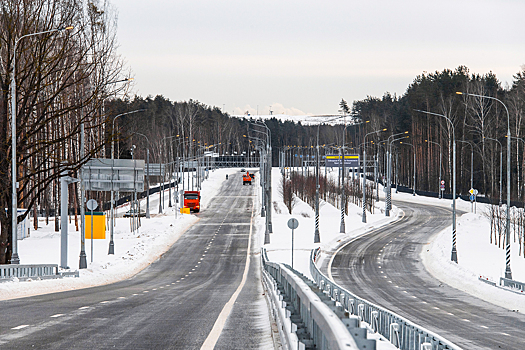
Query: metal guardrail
(38, 271)
(403, 333)
(306, 319)
(519, 287)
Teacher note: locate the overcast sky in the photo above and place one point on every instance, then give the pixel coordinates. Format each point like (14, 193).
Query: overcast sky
(302, 57)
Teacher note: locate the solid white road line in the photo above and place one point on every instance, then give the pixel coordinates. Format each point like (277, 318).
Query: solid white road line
(213, 337)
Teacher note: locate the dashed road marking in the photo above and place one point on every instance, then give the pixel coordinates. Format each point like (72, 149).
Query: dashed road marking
(83, 307)
(57, 315)
(20, 327)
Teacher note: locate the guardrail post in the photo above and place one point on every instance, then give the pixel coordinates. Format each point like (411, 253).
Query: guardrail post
(375, 321)
(394, 334)
(426, 346)
(361, 311)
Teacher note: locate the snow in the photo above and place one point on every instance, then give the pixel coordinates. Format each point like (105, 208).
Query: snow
(279, 249)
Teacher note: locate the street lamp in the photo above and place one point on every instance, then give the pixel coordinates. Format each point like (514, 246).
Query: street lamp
(414, 151)
(500, 167)
(508, 272)
(82, 259)
(388, 201)
(440, 161)
(14, 195)
(454, 254)
(147, 171)
(112, 219)
(471, 171)
(364, 173)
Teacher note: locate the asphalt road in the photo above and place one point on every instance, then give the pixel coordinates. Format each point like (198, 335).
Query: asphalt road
(385, 268)
(173, 304)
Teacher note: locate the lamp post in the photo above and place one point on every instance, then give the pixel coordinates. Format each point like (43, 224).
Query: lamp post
(414, 151)
(388, 201)
(147, 171)
(508, 272)
(454, 253)
(440, 161)
(111, 249)
(500, 167)
(364, 173)
(14, 195)
(471, 170)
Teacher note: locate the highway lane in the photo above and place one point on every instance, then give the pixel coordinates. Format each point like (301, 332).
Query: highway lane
(384, 267)
(173, 304)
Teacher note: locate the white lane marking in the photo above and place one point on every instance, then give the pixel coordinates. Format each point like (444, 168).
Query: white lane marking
(424, 302)
(413, 296)
(146, 291)
(484, 327)
(449, 313)
(505, 334)
(154, 288)
(83, 307)
(436, 308)
(211, 340)
(20, 327)
(105, 302)
(135, 294)
(465, 320)
(329, 268)
(57, 315)
(122, 297)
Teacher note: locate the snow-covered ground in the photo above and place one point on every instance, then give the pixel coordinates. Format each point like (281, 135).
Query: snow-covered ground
(280, 245)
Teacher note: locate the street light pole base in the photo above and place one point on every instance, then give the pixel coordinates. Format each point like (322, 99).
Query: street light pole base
(111, 248)
(82, 264)
(317, 237)
(266, 237)
(454, 255)
(508, 273)
(342, 227)
(14, 259)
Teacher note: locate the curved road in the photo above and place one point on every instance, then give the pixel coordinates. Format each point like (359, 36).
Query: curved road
(173, 304)
(384, 267)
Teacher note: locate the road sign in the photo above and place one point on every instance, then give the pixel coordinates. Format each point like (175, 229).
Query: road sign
(472, 197)
(442, 187)
(334, 160)
(91, 204)
(125, 175)
(442, 182)
(293, 223)
(473, 191)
